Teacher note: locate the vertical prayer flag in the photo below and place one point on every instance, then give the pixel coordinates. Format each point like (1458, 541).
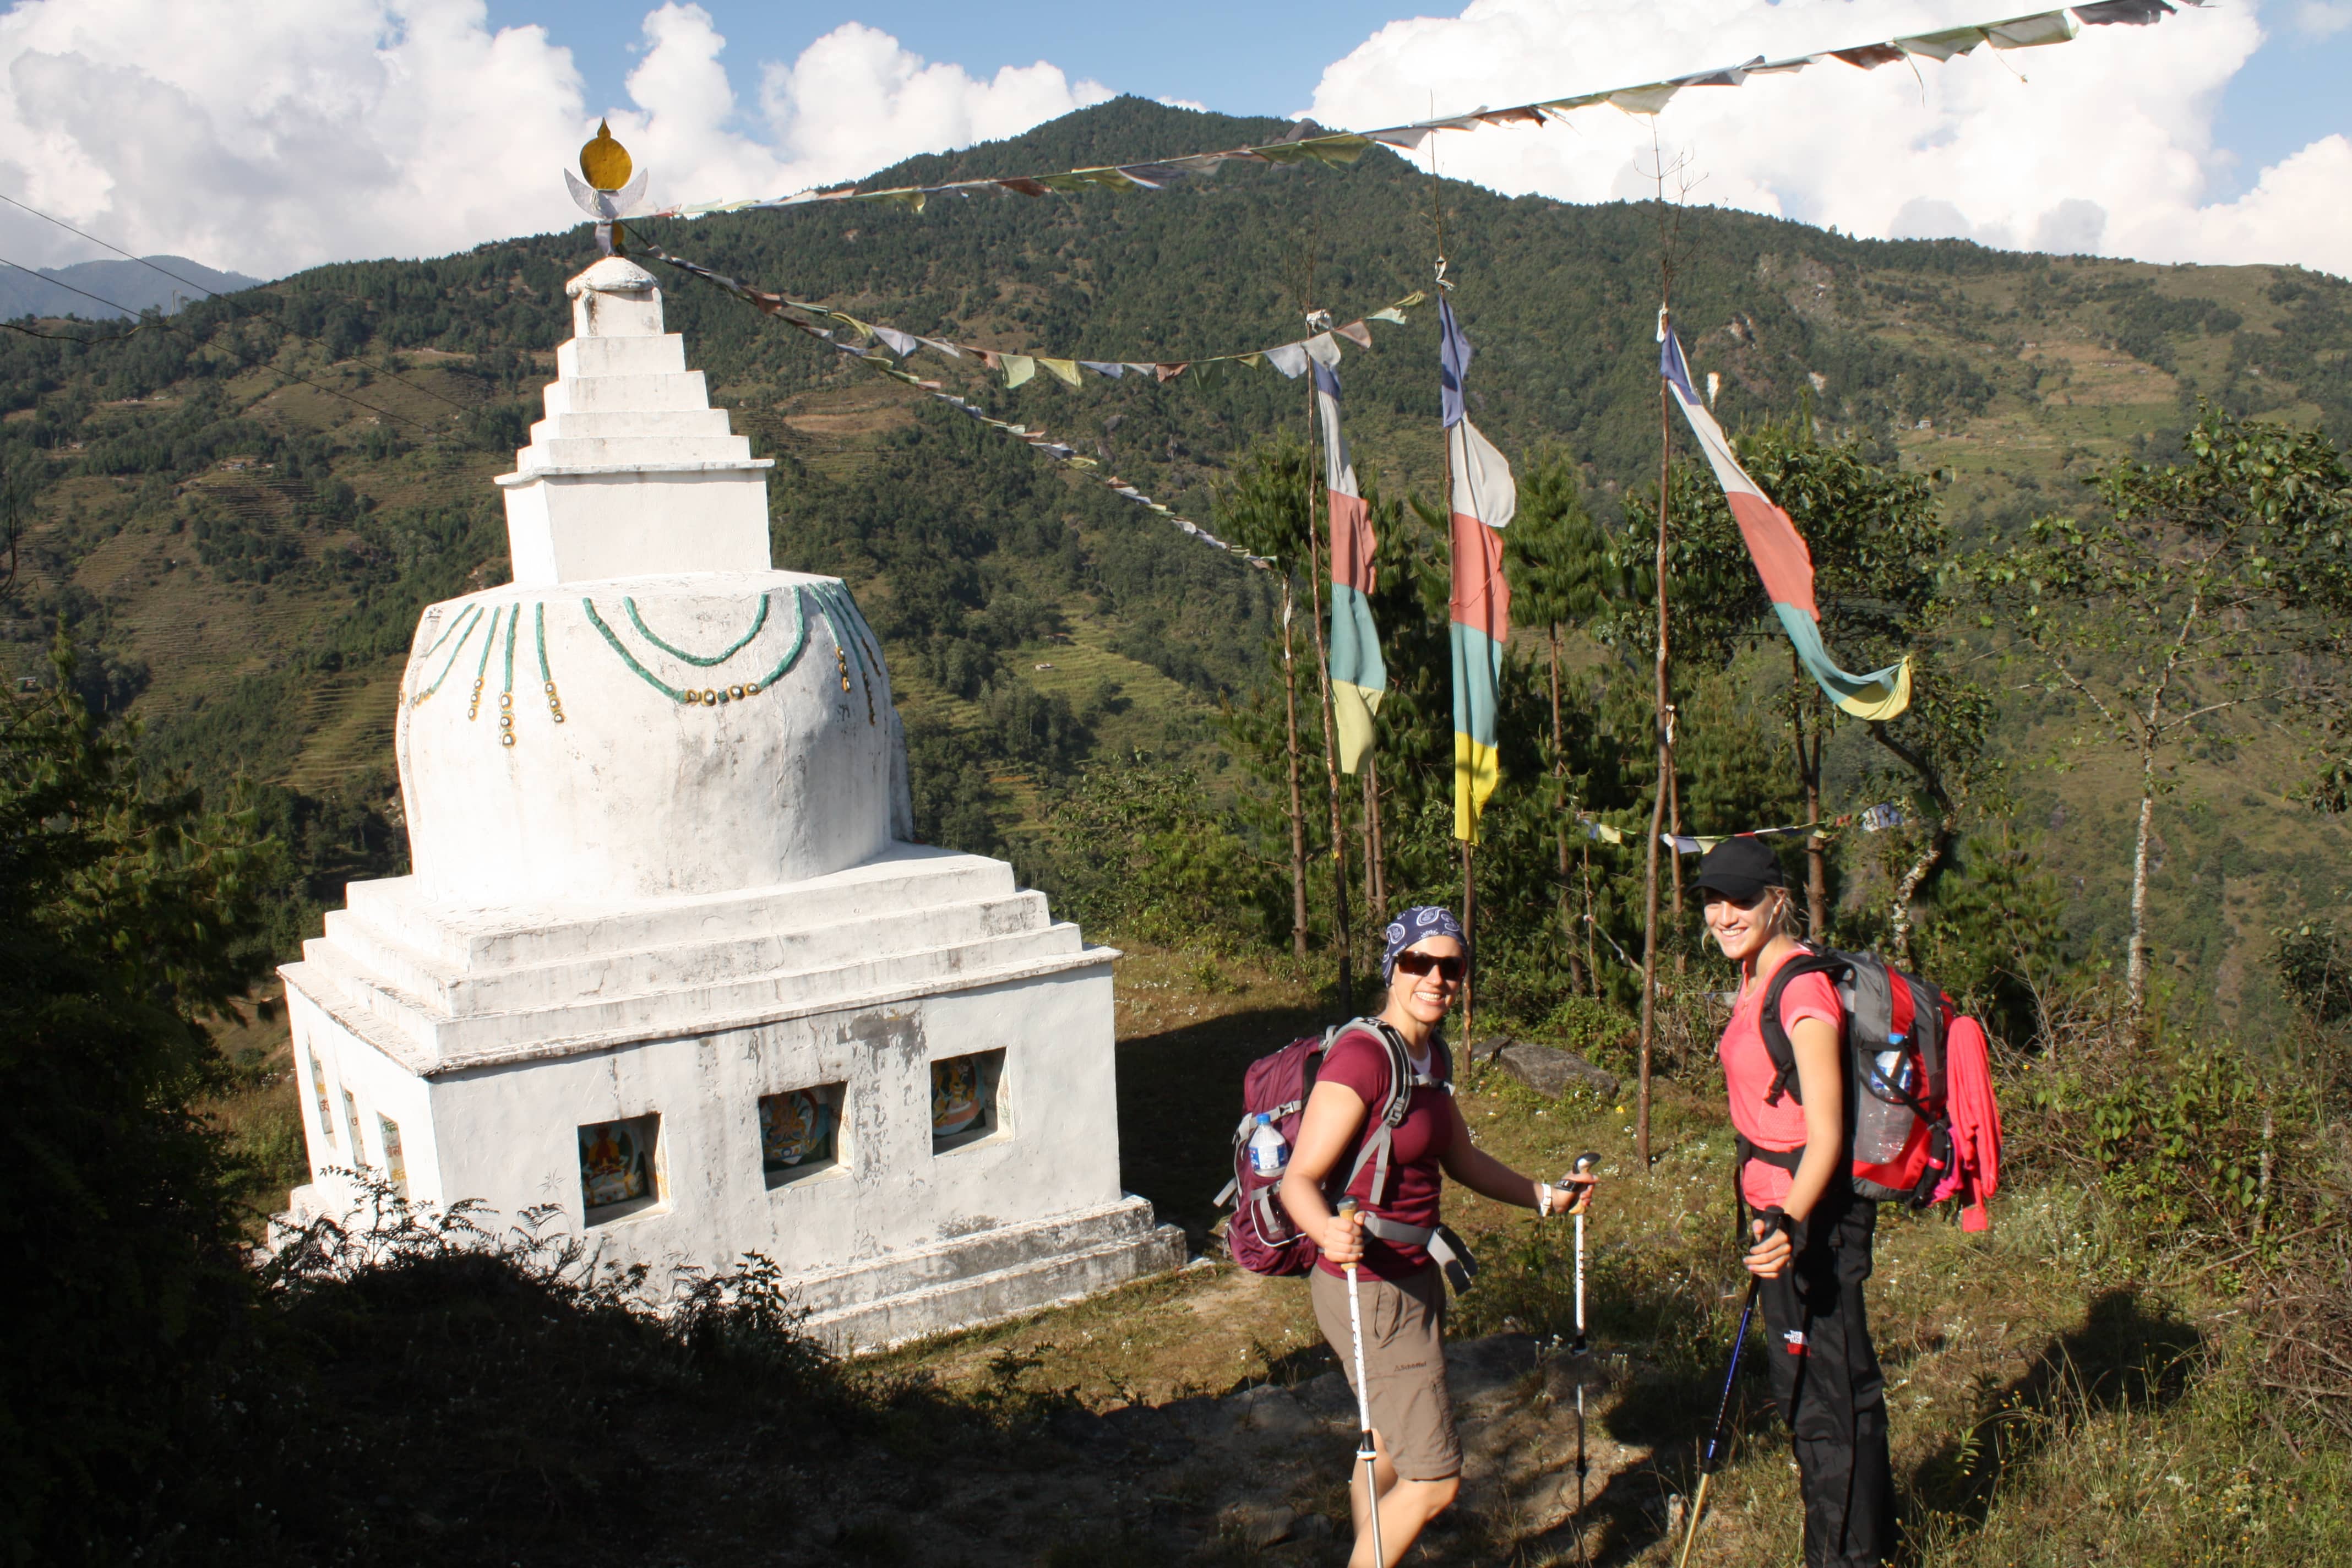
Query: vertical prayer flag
(1359, 677)
(1781, 556)
(1484, 499)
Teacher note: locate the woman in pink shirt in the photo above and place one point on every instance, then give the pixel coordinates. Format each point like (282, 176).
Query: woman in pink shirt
(1813, 1234)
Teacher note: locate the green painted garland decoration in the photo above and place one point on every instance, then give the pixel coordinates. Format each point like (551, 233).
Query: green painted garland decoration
(539, 632)
(845, 646)
(505, 695)
(481, 670)
(759, 619)
(710, 697)
(468, 621)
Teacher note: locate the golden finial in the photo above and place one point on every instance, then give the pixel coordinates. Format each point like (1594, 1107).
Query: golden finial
(610, 194)
(605, 162)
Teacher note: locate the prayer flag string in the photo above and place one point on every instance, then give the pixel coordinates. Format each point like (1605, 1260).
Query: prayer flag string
(1291, 358)
(1036, 440)
(1341, 148)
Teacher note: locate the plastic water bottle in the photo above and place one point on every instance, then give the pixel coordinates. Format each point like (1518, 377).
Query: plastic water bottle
(1881, 1122)
(1267, 1152)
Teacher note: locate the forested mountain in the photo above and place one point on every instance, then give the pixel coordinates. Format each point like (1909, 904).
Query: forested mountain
(240, 512)
(112, 291)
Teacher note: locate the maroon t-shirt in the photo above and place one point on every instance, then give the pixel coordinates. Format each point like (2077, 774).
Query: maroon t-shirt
(1361, 1061)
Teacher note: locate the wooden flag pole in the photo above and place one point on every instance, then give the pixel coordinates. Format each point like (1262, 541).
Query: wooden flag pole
(1658, 804)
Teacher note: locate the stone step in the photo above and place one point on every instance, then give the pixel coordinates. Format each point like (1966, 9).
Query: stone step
(443, 1043)
(907, 877)
(663, 355)
(633, 451)
(622, 393)
(987, 1277)
(452, 991)
(697, 422)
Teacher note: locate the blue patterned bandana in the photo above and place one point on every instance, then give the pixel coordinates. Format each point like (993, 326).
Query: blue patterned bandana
(1417, 924)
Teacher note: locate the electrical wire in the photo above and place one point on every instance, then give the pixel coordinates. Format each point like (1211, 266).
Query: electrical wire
(68, 337)
(204, 342)
(207, 293)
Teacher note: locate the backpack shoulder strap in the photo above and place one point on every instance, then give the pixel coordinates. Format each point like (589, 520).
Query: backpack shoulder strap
(1808, 961)
(1381, 1124)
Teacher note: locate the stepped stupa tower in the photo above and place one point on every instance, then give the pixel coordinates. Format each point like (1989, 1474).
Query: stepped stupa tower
(668, 962)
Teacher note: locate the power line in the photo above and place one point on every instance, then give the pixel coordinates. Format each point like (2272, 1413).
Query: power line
(203, 343)
(207, 293)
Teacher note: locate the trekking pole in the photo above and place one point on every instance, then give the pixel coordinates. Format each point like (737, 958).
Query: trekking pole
(1364, 1450)
(1715, 1438)
(1577, 1350)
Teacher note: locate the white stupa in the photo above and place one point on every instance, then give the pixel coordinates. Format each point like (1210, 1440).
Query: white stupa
(669, 963)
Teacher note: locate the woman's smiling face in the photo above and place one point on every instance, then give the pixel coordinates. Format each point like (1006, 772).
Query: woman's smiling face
(1427, 997)
(1742, 931)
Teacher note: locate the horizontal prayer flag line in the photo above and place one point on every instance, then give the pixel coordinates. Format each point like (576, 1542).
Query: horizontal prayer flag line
(1291, 358)
(1340, 148)
(1035, 440)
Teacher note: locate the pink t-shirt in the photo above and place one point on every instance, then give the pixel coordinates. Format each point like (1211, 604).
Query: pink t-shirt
(1748, 1075)
(1361, 1061)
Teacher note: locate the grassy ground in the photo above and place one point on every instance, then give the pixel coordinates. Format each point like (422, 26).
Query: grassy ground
(2059, 1392)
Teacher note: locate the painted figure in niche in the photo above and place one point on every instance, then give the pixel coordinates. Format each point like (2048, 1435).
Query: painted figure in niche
(611, 1164)
(795, 1126)
(395, 1164)
(957, 1099)
(319, 1087)
(352, 1118)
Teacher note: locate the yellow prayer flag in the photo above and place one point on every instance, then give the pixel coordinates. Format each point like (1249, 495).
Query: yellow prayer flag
(1066, 369)
(1018, 368)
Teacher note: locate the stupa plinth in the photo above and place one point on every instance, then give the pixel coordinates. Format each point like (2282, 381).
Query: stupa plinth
(668, 962)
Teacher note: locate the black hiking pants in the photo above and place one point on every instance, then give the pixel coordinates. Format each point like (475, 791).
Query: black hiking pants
(1825, 1375)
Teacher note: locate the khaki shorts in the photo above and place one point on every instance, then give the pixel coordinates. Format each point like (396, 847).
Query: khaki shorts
(1404, 1361)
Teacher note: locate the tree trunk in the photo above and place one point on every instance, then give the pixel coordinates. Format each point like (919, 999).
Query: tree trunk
(1298, 804)
(1560, 809)
(2135, 966)
(1899, 916)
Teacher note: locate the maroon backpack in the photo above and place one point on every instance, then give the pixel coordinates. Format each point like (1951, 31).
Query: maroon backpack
(1260, 1237)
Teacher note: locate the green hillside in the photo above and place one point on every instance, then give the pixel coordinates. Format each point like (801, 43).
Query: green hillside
(241, 549)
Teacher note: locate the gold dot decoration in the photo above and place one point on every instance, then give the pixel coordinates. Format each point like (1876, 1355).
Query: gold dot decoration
(554, 702)
(841, 657)
(474, 706)
(604, 162)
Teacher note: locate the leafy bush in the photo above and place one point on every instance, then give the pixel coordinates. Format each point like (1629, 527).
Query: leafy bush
(128, 907)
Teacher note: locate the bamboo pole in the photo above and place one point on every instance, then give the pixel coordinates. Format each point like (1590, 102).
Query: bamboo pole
(1340, 932)
(1664, 786)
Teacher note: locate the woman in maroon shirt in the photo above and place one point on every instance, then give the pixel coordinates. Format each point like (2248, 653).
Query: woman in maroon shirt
(1419, 1466)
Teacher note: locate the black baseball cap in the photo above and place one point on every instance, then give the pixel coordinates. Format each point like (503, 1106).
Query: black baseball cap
(1741, 869)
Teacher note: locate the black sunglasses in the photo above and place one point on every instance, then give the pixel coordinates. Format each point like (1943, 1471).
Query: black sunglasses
(1448, 968)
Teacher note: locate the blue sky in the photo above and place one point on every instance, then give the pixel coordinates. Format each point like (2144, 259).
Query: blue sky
(1260, 58)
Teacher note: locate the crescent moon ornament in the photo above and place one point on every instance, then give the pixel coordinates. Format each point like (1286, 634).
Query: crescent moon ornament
(609, 192)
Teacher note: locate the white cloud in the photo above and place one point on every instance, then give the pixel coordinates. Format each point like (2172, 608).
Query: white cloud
(2322, 18)
(314, 130)
(2104, 143)
(856, 100)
